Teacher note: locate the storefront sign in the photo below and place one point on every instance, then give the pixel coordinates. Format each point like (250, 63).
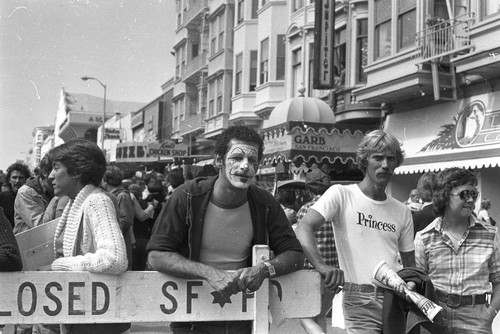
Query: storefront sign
(112, 133)
(324, 142)
(311, 143)
(277, 143)
(469, 125)
(324, 31)
(133, 152)
(168, 149)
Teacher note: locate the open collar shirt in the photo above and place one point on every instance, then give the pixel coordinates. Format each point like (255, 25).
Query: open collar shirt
(467, 270)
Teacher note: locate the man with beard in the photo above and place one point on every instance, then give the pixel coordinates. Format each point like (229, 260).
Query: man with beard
(31, 207)
(17, 174)
(209, 225)
(369, 226)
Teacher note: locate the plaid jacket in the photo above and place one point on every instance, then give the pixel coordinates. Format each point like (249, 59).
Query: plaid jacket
(324, 238)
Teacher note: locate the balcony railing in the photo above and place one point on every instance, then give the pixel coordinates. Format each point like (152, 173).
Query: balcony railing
(192, 124)
(196, 64)
(445, 38)
(195, 8)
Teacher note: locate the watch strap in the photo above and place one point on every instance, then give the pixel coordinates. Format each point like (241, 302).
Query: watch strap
(270, 268)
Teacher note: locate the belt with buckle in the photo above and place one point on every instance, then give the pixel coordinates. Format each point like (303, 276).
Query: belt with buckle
(454, 300)
(365, 288)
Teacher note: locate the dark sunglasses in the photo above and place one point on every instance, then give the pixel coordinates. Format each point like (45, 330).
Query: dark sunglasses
(466, 194)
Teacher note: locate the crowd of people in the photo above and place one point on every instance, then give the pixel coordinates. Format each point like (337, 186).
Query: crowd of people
(111, 221)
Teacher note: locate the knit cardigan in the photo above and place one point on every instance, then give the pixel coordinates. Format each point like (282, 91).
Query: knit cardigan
(97, 246)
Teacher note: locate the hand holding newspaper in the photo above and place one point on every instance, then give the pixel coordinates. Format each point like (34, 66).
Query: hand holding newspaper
(389, 278)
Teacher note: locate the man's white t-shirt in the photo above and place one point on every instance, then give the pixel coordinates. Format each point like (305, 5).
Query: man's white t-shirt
(366, 231)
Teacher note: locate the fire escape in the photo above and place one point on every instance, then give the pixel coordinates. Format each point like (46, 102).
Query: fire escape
(438, 44)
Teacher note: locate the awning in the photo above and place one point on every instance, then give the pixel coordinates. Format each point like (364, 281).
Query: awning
(311, 144)
(437, 166)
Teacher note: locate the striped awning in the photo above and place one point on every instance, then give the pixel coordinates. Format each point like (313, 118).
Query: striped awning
(437, 166)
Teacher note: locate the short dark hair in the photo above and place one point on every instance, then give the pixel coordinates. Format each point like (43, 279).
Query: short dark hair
(20, 167)
(425, 186)
(45, 166)
(176, 177)
(239, 132)
(446, 180)
(378, 141)
(81, 157)
(113, 176)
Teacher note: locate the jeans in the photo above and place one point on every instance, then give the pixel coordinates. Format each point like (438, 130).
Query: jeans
(475, 319)
(363, 312)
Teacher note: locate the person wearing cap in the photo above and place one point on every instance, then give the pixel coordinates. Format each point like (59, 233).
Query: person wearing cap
(369, 226)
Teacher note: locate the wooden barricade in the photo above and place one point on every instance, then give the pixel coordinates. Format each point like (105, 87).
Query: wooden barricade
(31, 297)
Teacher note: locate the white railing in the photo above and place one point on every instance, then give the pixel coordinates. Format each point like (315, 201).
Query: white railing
(445, 37)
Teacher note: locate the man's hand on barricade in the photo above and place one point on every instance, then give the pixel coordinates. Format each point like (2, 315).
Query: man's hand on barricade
(224, 282)
(251, 278)
(333, 278)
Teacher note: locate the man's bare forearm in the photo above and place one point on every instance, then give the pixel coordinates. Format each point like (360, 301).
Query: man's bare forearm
(177, 265)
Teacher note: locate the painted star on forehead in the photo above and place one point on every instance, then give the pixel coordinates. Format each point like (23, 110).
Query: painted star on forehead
(219, 299)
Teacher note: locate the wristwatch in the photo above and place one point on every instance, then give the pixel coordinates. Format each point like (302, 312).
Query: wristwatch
(270, 268)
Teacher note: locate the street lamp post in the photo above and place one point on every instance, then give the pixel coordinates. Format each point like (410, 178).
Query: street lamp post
(103, 109)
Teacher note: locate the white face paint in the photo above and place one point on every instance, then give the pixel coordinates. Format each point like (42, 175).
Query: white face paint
(240, 163)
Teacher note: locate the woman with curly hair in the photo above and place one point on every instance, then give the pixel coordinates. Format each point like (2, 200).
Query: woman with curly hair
(461, 255)
(87, 237)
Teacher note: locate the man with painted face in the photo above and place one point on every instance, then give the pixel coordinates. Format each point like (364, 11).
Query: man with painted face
(369, 226)
(208, 227)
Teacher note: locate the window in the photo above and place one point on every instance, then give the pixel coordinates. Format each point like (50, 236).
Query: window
(264, 61)
(253, 70)
(382, 28)
(297, 4)
(193, 105)
(280, 58)
(489, 8)
(217, 34)
(241, 11)
(407, 15)
(180, 62)
(255, 7)
(221, 31)
(219, 86)
(195, 50)
(361, 50)
(311, 69)
(296, 70)
(238, 80)
(339, 53)
(211, 99)
(179, 14)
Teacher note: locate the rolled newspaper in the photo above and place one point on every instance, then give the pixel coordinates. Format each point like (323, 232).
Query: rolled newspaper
(384, 274)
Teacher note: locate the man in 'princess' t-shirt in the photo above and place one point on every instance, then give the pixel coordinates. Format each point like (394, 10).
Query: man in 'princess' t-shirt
(369, 226)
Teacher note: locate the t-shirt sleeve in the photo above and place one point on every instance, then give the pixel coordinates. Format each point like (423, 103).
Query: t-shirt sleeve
(328, 204)
(406, 238)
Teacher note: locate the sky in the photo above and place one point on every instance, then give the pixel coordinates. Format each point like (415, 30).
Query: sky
(46, 45)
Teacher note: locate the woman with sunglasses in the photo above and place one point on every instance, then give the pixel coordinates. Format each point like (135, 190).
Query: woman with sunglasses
(461, 255)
